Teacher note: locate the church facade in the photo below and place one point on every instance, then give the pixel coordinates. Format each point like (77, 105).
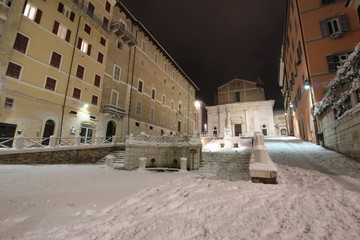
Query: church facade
(246, 111)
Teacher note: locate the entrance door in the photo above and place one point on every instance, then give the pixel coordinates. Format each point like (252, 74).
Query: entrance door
(110, 130)
(48, 131)
(86, 133)
(7, 131)
(238, 130)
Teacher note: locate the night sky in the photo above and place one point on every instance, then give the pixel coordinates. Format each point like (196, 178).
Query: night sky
(213, 41)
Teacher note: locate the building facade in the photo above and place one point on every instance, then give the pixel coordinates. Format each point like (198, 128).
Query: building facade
(280, 128)
(87, 68)
(318, 37)
(244, 110)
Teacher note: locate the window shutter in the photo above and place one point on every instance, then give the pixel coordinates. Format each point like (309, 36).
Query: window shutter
(61, 7)
(344, 21)
(89, 50)
(72, 16)
(56, 27)
(38, 16)
(24, 6)
(324, 28)
(79, 43)
(68, 34)
(331, 63)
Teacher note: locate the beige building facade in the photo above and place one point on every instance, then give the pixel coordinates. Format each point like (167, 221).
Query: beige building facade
(70, 68)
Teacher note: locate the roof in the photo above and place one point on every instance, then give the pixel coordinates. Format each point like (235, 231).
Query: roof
(237, 79)
(152, 38)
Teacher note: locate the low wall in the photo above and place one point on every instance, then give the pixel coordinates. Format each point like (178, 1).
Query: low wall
(57, 155)
(343, 135)
(162, 151)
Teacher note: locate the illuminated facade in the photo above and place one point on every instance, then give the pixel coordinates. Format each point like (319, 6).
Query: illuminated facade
(70, 68)
(318, 37)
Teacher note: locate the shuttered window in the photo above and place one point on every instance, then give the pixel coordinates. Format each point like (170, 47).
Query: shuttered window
(50, 83)
(100, 57)
(97, 80)
(94, 100)
(335, 25)
(80, 72)
(61, 31)
(66, 12)
(32, 12)
(336, 60)
(13, 70)
(21, 42)
(55, 60)
(76, 93)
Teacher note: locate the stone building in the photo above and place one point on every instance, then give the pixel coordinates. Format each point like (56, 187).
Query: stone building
(280, 128)
(244, 110)
(70, 68)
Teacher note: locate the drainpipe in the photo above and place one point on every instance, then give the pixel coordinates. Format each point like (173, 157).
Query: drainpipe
(132, 81)
(309, 77)
(68, 79)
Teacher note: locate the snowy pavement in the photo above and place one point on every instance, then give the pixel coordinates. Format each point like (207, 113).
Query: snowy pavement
(317, 198)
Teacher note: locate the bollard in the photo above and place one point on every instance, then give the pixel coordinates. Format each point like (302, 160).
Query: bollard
(142, 164)
(113, 139)
(78, 140)
(52, 141)
(20, 142)
(98, 140)
(183, 162)
(109, 161)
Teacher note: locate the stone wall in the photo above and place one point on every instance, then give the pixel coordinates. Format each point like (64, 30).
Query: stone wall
(56, 155)
(162, 151)
(343, 135)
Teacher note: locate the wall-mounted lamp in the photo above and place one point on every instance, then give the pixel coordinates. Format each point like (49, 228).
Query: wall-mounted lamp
(197, 104)
(86, 105)
(306, 84)
(291, 105)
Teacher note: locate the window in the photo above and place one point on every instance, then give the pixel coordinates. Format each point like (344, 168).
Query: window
(32, 12)
(61, 31)
(153, 94)
(100, 57)
(7, 3)
(172, 105)
(155, 58)
(114, 98)
(299, 53)
(179, 106)
(237, 96)
(325, 2)
(143, 46)
(154, 72)
(164, 100)
(84, 46)
(162, 120)
(102, 41)
(90, 9)
(105, 23)
(80, 71)
(336, 60)
(9, 102)
(152, 113)
(87, 29)
(335, 26)
(94, 100)
(55, 60)
(118, 44)
(107, 6)
(76, 93)
(140, 86)
(117, 73)
(21, 42)
(13, 70)
(165, 67)
(137, 124)
(142, 62)
(66, 12)
(50, 83)
(97, 80)
(173, 75)
(138, 108)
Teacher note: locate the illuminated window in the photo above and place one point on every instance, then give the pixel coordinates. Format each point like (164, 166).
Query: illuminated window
(32, 12)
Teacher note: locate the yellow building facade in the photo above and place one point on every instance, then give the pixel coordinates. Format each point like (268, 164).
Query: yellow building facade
(66, 69)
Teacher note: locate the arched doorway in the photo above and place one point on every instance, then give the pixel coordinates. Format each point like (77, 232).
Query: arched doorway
(283, 132)
(48, 131)
(87, 132)
(110, 130)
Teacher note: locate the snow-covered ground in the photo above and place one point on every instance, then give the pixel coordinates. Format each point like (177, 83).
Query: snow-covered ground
(318, 197)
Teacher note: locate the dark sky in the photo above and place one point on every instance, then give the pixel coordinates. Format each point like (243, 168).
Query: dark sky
(213, 41)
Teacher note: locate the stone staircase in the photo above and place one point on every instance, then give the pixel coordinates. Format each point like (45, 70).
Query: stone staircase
(233, 166)
(118, 161)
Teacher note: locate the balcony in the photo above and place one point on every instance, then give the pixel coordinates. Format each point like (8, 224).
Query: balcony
(180, 114)
(113, 111)
(125, 35)
(89, 13)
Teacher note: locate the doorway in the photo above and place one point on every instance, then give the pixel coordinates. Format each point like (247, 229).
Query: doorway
(86, 133)
(110, 130)
(7, 131)
(179, 127)
(237, 130)
(48, 131)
